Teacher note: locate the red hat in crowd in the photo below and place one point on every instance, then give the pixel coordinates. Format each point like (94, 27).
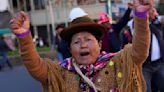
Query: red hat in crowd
(103, 18)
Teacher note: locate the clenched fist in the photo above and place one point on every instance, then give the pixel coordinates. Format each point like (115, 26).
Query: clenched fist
(142, 5)
(20, 23)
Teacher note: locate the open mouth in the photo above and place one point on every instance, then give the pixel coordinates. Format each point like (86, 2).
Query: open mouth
(84, 53)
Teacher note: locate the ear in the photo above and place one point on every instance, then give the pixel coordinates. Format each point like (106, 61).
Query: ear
(70, 50)
(100, 44)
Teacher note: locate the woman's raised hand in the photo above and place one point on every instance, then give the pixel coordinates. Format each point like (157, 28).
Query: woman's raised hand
(142, 5)
(20, 23)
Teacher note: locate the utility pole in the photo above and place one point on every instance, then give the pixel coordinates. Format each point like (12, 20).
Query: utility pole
(65, 8)
(109, 9)
(47, 22)
(51, 12)
(34, 26)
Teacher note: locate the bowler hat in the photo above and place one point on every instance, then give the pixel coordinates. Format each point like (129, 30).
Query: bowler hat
(82, 23)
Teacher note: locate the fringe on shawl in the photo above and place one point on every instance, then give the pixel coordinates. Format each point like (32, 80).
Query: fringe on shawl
(133, 80)
(54, 81)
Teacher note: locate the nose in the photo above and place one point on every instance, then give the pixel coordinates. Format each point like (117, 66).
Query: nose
(83, 44)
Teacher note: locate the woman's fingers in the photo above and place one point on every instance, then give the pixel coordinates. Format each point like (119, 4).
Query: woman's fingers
(16, 20)
(136, 3)
(24, 15)
(26, 21)
(20, 23)
(143, 5)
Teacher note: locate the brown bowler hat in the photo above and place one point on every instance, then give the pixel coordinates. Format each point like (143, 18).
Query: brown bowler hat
(83, 23)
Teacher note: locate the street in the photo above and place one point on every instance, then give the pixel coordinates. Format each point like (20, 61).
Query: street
(18, 80)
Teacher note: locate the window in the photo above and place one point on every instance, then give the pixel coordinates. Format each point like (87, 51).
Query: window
(102, 1)
(86, 2)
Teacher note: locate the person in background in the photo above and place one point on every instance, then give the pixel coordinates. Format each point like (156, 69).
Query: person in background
(111, 39)
(153, 67)
(125, 36)
(39, 42)
(60, 45)
(88, 69)
(3, 54)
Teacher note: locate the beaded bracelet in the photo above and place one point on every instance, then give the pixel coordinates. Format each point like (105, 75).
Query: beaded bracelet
(21, 35)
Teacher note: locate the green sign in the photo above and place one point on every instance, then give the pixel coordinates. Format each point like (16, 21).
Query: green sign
(5, 31)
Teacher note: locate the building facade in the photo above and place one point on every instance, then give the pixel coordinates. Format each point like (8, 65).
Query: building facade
(46, 14)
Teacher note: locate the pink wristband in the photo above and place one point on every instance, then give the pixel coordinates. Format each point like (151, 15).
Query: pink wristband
(22, 34)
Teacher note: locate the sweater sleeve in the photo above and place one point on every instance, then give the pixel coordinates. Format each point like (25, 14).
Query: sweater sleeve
(141, 40)
(132, 56)
(31, 59)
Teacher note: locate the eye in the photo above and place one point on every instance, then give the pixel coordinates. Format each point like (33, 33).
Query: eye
(76, 42)
(88, 39)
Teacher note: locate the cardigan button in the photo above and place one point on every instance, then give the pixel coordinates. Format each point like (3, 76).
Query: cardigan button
(119, 74)
(111, 63)
(77, 77)
(99, 80)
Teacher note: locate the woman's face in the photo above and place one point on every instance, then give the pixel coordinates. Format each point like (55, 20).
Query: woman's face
(85, 48)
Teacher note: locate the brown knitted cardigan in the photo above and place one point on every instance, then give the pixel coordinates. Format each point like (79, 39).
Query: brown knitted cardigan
(126, 73)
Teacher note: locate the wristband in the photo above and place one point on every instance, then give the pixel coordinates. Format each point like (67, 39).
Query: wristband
(140, 14)
(21, 35)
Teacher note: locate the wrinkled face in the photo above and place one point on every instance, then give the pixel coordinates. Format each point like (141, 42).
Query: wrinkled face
(85, 48)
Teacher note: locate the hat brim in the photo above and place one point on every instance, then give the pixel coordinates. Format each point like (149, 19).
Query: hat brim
(96, 29)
